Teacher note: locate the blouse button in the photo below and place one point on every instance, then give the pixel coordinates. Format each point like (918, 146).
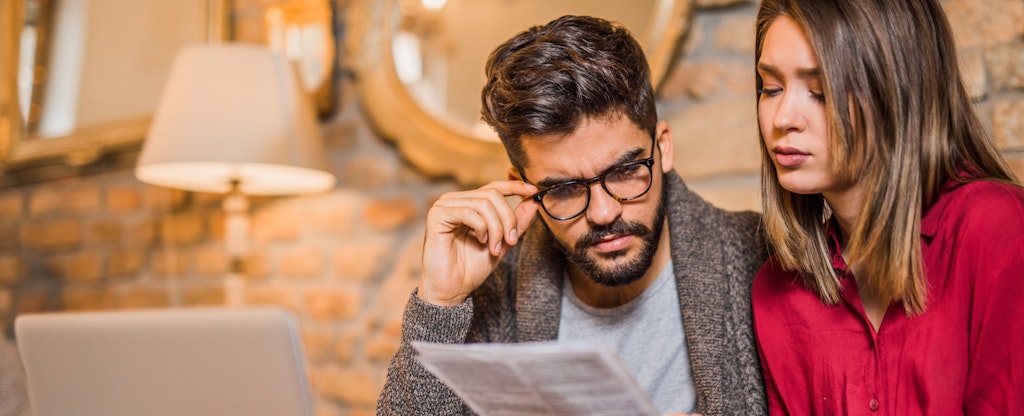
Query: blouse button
(873, 405)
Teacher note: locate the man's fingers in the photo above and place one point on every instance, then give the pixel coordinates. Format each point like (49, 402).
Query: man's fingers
(501, 224)
(524, 212)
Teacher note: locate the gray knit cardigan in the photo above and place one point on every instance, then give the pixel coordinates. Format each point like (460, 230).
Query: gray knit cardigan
(715, 254)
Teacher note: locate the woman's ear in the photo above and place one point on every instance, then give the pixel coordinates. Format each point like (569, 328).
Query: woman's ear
(664, 140)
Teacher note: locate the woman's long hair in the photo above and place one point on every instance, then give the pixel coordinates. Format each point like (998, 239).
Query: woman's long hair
(900, 123)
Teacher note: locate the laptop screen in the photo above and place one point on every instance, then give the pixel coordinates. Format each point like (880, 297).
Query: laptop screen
(165, 362)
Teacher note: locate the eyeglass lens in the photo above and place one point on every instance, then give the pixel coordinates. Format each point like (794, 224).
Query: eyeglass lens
(625, 182)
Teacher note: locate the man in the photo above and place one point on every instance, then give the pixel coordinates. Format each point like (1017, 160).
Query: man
(623, 254)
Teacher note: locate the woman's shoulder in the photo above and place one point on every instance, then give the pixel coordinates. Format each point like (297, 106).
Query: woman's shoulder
(775, 278)
(983, 206)
(985, 198)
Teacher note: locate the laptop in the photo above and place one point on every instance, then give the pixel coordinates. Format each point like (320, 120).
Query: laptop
(166, 362)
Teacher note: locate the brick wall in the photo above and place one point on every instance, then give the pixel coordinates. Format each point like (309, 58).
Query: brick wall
(345, 261)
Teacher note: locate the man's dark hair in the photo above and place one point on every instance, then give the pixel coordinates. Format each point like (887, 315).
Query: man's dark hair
(549, 78)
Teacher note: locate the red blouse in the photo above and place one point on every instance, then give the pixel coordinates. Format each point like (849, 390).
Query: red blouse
(964, 355)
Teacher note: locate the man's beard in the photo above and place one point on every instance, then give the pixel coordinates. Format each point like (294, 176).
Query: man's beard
(632, 270)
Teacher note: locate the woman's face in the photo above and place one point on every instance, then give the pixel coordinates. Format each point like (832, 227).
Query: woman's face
(791, 110)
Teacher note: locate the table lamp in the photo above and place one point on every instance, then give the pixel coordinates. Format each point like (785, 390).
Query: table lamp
(234, 119)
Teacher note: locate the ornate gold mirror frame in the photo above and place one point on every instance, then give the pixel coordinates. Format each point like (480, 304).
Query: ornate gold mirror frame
(29, 157)
(440, 147)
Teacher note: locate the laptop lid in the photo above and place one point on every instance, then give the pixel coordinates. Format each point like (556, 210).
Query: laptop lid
(165, 362)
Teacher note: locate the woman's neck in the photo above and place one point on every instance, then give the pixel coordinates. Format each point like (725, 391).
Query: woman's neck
(846, 209)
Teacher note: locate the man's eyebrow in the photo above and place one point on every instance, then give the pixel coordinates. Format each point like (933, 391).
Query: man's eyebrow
(625, 158)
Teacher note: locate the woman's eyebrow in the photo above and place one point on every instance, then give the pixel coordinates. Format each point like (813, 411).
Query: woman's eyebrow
(812, 72)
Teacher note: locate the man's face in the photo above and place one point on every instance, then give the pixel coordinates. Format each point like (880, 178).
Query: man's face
(613, 242)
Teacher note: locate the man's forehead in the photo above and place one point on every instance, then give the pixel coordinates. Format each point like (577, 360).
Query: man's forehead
(586, 152)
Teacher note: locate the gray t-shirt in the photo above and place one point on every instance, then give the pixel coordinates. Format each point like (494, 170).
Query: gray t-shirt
(647, 332)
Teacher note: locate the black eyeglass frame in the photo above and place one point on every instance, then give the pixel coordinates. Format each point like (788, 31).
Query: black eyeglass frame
(648, 162)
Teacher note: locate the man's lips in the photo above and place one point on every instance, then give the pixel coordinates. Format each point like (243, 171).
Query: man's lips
(789, 156)
(612, 243)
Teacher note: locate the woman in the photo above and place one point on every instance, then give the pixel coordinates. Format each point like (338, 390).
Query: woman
(897, 281)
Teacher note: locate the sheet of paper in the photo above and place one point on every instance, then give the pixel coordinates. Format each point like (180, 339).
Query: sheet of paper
(537, 379)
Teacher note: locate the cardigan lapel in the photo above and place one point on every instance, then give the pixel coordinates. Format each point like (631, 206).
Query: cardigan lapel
(539, 285)
(698, 269)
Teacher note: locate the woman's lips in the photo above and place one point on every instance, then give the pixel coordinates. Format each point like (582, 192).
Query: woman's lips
(789, 157)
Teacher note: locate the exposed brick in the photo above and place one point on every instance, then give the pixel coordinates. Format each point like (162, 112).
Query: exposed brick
(331, 303)
(123, 199)
(12, 269)
(345, 346)
(256, 265)
(1006, 65)
(202, 295)
(326, 408)
(12, 206)
(390, 213)
(361, 261)
(142, 233)
(33, 301)
(1008, 124)
(145, 298)
(278, 224)
(44, 201)
(9, 240)
(207, 200)
(162, 199)
(363, 411)
(211, 261)
(182, 228)
(103, 232)
(694, 39)
(317, 343)
(380, 347)
(83, 299)
(336, 214)
(985, 22)
(124, 263)
(216, 223)
(355, 385)
(170, 262)
(735, 33)
(735, 194)
(51, 234)
(9, 237)
(716, 138)
(718, 3)
(303, 262)
(6, 311)
(710, 78)
(273, 295)
(972, 66)
(390, 300)
(1016, 163)
(78, 267)
(82, 198)
(367, 172)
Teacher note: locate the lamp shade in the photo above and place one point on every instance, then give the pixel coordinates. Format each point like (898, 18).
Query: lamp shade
(234, 113)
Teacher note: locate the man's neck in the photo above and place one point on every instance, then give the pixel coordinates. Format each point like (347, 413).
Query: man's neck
(601, 296)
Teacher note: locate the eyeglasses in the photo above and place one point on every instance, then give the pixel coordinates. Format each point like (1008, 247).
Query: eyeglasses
(624, 182)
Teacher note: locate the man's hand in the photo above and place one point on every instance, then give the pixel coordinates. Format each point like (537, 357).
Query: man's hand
(467, 235)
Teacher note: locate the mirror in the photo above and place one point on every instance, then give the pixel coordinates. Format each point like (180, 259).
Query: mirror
(81, 78)
(419, 68)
